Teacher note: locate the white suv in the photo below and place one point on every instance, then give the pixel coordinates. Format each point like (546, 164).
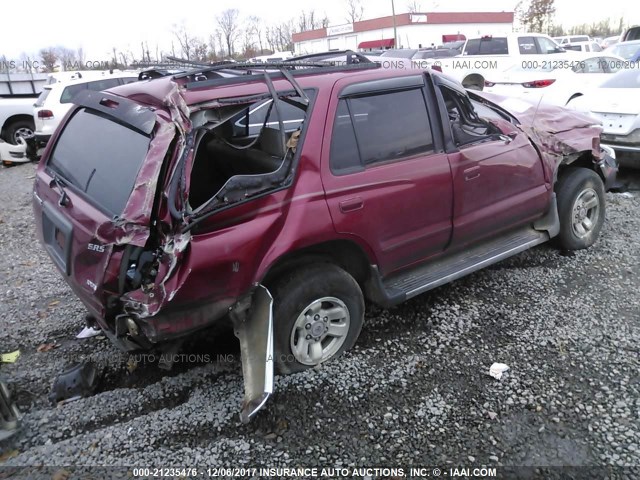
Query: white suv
(56, 99)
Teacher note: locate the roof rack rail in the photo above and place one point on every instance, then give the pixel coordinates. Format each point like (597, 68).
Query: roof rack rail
(293, 68)
(350, 56)
(197, 64)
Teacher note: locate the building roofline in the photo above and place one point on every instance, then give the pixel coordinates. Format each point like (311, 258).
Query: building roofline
(404, 19)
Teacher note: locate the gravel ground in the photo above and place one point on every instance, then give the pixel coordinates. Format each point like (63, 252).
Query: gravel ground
(414, 391)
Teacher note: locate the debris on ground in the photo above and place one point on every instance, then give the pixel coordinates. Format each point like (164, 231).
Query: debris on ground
(10, 357)
(89, 332)
(78, 381)
(497, 369)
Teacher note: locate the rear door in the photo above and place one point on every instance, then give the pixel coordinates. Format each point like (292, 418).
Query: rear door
(387, 182)
(94, 190)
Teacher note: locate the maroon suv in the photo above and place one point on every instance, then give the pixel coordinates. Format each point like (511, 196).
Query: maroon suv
(282, 196)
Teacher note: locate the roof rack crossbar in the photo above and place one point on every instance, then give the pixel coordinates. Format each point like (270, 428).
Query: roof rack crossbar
(295, 85)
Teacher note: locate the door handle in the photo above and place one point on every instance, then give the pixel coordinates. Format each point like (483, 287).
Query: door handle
(471, 173)
(351, 205)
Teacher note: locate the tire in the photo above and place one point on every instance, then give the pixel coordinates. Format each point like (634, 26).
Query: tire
(302, 302)
(19, 128)
(581, 208)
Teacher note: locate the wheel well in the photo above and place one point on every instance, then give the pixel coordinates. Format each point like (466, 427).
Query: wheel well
(575, 95)
(475, 79)
(583, 160)
(17, 118)
(343, 253)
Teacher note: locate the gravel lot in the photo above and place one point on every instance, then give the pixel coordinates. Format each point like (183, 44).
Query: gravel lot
(414, 391)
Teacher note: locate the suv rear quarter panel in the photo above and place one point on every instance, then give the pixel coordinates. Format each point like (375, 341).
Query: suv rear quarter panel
(235, 248)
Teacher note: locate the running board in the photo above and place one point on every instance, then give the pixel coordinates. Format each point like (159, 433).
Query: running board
(439, 272)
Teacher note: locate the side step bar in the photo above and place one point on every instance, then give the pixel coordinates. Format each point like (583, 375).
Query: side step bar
(434, 274)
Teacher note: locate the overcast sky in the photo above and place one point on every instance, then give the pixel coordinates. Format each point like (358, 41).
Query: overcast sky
(125, 23)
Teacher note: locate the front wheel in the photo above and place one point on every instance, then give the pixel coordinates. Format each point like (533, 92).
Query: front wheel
(581, 208)
(318, 314)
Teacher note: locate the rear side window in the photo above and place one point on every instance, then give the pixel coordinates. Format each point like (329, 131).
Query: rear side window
(100, 158)
(527, 46)
(387, 126)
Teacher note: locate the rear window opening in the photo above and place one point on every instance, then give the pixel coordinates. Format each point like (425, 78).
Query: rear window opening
(245, 149)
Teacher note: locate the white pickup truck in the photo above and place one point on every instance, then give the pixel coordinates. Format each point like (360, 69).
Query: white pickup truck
(18, 93)
(488, 54)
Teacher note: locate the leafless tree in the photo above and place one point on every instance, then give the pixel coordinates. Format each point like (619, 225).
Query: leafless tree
(414, 7)
(80, 55)
(49, 57)
(185, 40)
(68, 58)
(256, 26)
(535, 14)
(228, 23)
(308, 20)
(355, 11)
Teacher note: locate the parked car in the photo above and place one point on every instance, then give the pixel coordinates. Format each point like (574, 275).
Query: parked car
(609, 41)
(627, 50)
(554, 82)
(457, 45)
(434, 53)
(616, 103)
(486, 56)
(589, 46)
(399, 53)
(567, 39)
(166, 216)
(55, 100)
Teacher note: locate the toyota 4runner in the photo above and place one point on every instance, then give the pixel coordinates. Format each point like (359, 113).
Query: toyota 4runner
(281, 196)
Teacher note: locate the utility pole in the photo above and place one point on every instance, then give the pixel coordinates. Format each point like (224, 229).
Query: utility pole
(395, 30)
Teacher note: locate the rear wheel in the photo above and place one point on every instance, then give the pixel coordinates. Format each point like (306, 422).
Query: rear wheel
(581, 208)
(19, 129)
(318, 314)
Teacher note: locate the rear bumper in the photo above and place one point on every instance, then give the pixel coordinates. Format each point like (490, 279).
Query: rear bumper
(133, 332)
(42, 139)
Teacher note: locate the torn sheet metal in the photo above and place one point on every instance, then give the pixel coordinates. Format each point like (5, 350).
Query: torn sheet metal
(254, 329)
(9, 414)
(558, 131)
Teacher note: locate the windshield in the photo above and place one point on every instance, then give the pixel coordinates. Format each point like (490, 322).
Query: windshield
(623, 79)
(100, 158)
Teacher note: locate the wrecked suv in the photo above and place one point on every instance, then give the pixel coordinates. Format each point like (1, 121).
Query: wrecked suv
(282, 196)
